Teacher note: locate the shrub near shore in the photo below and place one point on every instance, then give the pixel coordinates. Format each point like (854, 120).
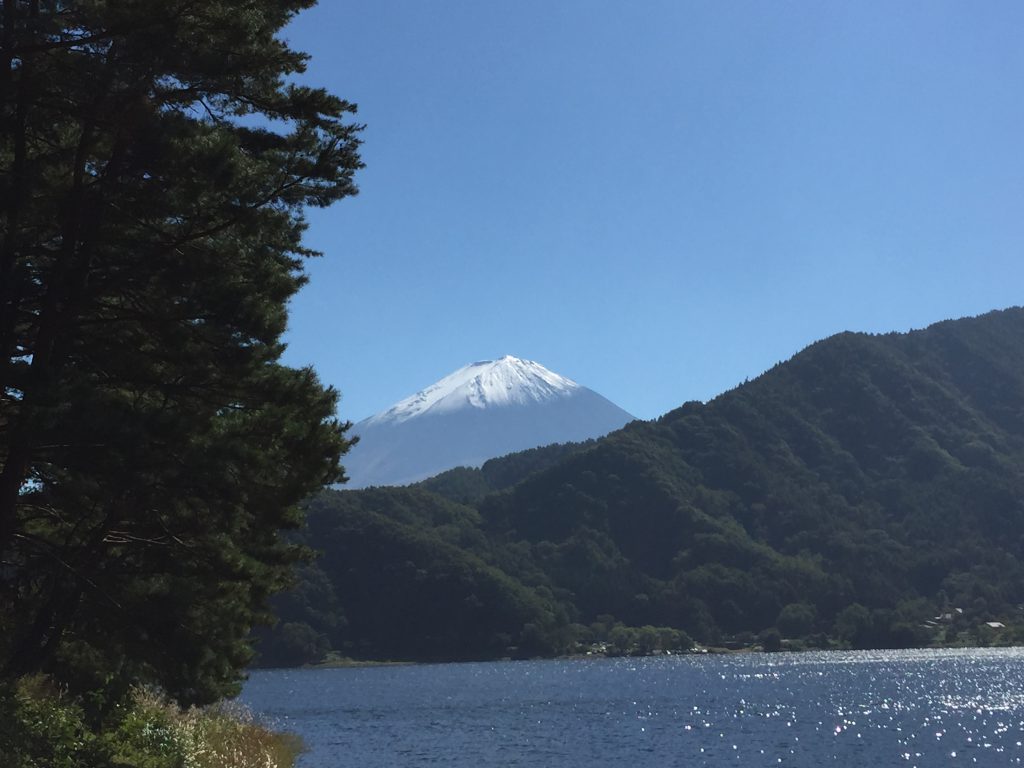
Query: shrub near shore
(41, 726)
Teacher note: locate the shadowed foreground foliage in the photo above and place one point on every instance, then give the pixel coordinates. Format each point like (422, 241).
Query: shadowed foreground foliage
(48, 728)
(152, 446)
(156, 160)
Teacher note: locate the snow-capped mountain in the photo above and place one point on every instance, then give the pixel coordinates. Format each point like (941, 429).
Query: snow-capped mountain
(483, 410)
(489, 383)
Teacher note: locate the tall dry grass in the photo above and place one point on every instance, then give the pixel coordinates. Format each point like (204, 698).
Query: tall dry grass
(222, 736)
(41, 726)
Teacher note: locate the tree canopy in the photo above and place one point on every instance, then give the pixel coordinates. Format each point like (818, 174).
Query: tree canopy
(156, 159)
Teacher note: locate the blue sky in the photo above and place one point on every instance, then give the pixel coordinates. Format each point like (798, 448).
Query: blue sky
(657, 199)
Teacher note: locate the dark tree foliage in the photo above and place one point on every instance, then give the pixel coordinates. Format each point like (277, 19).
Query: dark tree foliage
(415, 579)
(467, 485)
(155, 165)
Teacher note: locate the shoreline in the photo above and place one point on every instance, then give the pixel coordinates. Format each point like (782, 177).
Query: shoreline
(349, 663)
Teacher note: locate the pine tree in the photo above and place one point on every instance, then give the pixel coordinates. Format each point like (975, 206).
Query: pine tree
(156, 161)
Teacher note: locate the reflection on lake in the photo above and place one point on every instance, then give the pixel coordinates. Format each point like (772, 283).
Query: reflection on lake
(878, 708)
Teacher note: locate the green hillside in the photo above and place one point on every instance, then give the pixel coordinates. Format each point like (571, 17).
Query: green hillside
(851, 494)
(468, 485)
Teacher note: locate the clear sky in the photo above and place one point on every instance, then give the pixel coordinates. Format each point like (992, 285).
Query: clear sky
(657, 199)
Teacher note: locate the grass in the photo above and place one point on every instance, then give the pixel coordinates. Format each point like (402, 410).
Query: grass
(223, 736)
(42, 727)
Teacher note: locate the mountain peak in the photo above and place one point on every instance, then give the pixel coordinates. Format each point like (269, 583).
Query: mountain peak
(484, 384)
(483, 410)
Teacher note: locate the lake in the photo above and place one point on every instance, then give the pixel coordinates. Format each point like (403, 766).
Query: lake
(878, 708)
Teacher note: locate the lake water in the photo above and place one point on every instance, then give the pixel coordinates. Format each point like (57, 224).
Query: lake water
(880, 708)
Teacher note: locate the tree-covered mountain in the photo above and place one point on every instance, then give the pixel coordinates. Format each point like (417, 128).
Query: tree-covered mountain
(407, 574)
(856, 491)
(467, 485)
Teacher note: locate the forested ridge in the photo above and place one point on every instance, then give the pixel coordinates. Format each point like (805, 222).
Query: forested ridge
(867, 492)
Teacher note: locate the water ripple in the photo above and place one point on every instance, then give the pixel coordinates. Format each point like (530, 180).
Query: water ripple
(877, 708)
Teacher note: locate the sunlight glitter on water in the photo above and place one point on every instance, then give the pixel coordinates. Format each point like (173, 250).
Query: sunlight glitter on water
(931, 705)
(917, 708)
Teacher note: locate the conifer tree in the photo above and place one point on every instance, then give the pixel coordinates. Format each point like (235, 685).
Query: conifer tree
(155, 161)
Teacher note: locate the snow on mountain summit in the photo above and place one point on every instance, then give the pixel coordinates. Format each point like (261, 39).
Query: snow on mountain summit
(481, 411)
(485, 384)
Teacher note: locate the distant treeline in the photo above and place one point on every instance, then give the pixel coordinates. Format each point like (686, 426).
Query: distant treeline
(869, 492)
